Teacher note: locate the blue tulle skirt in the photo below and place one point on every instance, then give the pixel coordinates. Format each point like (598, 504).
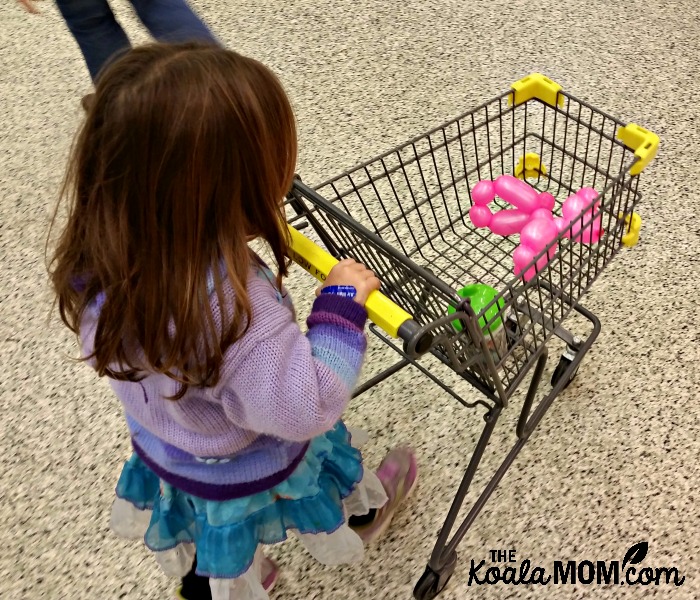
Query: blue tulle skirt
(314, 503)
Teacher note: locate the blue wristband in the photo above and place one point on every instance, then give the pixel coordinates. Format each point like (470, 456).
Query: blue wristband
(344, 291)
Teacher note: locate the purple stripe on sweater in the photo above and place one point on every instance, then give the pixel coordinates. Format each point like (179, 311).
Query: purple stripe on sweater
(334, 320)
(348, 310)
(219, 493)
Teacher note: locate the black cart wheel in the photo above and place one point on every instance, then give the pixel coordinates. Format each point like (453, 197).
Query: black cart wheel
(431, 583)
(564, 363)
(426, 588)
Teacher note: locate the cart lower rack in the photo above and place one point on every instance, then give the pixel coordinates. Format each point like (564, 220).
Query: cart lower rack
(558, 180)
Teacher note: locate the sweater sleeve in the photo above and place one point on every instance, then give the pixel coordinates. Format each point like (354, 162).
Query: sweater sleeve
(295, 386)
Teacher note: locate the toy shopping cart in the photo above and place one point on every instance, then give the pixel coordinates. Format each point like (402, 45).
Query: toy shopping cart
(405, 214)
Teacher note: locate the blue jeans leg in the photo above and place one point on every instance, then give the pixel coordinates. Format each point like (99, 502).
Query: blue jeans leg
(172, 21)
(97, 32)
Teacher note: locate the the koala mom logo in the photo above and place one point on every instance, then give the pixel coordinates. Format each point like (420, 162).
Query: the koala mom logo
(629, 571)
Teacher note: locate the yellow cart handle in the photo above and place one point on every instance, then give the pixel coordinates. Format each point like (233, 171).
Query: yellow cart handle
(382, 311)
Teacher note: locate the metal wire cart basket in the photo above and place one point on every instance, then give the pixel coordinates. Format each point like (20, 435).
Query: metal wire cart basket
(557, 179)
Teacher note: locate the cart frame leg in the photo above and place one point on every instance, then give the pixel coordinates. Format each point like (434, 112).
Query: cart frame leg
(443, 559)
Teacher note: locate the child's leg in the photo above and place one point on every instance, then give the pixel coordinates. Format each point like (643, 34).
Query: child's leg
(399, 475)
(195, 587)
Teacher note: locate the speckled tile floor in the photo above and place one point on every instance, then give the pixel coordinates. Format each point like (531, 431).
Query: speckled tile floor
(617, 459)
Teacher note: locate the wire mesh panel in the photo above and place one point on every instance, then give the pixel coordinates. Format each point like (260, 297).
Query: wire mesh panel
(405, 214)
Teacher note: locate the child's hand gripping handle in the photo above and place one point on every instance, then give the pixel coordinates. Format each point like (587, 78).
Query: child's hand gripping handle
(390, 317)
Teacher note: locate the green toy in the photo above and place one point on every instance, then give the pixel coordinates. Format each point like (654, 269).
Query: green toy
(480, 296)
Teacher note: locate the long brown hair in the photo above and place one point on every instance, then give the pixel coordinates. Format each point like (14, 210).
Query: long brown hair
(185, 153)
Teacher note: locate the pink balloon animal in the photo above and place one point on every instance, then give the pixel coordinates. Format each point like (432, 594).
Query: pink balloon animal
(528, 202)
(533, 219)
(572, 208)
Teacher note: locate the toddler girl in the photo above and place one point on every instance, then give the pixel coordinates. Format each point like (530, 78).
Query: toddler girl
(234, 414)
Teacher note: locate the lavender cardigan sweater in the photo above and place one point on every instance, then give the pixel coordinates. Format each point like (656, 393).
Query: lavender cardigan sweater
(278, 389)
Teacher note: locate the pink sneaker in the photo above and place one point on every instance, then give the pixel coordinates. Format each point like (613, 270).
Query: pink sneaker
(270, 573)
(399, 476)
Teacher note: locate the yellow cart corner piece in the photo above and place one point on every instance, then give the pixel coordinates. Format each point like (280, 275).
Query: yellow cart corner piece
(634, 225)
(644, 143)
(382, 311)
(530, 166)
(536, 86)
